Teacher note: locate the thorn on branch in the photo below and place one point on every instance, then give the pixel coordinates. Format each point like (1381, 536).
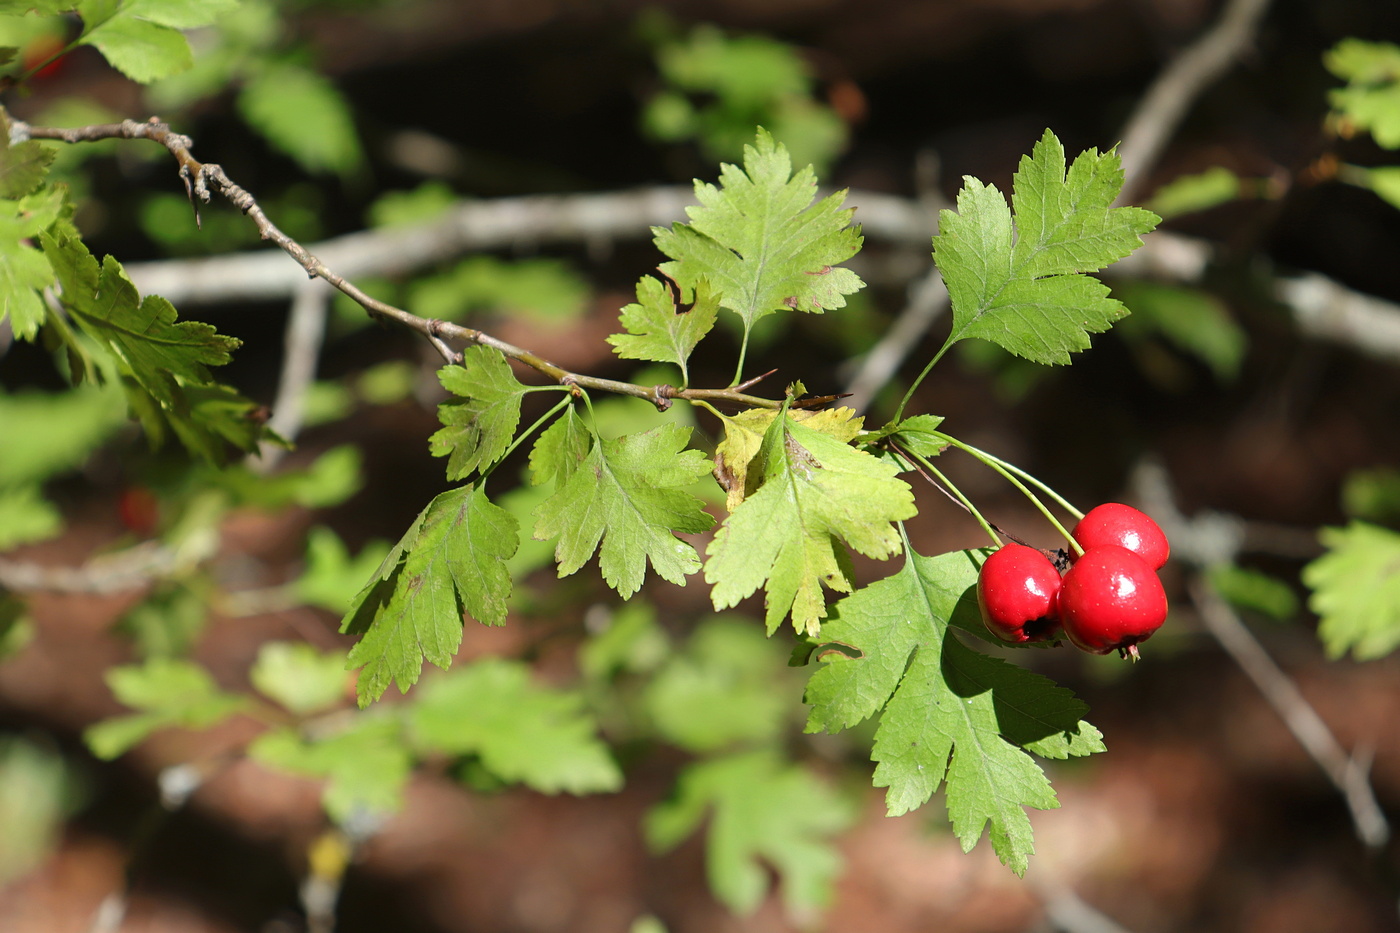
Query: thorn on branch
(745, 386)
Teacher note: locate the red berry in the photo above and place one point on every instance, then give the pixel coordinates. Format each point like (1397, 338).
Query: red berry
(139, 509)
(1016, 591)
(1125, 526)
(1111, 599)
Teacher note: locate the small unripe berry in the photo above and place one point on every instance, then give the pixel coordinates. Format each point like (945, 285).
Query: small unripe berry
(1111, 600)
(1017, 589)
(1125, 526)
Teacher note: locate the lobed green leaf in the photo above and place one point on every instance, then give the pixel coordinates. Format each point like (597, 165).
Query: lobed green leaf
(949, 715)
(479, 425)
(1356, 590)
(449, 561)
(1020, 285)
(625, 502)
(521, 731)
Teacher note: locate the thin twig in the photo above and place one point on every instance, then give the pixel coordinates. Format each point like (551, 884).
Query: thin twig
(1215, 539)
(1166, 102)
(200, 177)
(129, 569)
(1347, 774)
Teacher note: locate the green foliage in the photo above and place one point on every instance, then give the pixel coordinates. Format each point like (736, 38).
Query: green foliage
(761, 242)
(479, 428)
(24, 270)
(539, 288)
(1373, 495)
(168, 693)
(948, 714)
(1356, 590)
(298, 677)
(365, 763)
(718, 87)
(1021, 286)
(520, 731)
(1193, 321)
(1200, 191)
(1258, 592)
(141, 38)
(817, 493)
(449, 561)
(1384, 181)
(762, 811)
(37, 790)
(1371, 99)
(332, 575)
(303, 115)
(625, 501)
(657, 330)
(164, 365)
(718, 691)
(25, 516)
(167, 622)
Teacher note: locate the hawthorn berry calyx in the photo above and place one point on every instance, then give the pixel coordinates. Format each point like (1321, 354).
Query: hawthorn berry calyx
(1125, 526)
(1017, 591)
(1111, 599)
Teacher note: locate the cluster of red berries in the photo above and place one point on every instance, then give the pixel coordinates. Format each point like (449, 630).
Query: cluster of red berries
(1109, 599)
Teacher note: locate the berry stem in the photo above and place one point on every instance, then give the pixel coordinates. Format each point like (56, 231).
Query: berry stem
(1010, 473)
(942, 483)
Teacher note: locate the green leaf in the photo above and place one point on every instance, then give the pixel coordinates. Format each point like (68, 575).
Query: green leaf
(479, 427)
(1384, 181)
(169, 693)
(1372, 495)
(743, 438)
(523, 732)
(179, 14)
(158, 357)
(1371, 99)
(450, 560)
(26, 516)
(1194, 321)
(560, 449)
(546, 289)
(1201, 191)
(763, 812)
(139, 47)
(23, 167)
(1356, 590)
(625, 501)
(24, 271)
(632, 642)
(297, 676)
(332, 576)
(143, 334)
(724, 688)
(170, 618)
(304, 115)
(817, 493)
(1250, 589)
(658, 331)
(949, 714)
(760, 241)
(1020, 287)
(366, 765)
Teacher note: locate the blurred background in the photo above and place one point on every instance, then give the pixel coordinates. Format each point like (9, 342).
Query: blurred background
(1246, 404)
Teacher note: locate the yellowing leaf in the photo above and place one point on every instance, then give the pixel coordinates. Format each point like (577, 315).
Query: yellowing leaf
(743, 435)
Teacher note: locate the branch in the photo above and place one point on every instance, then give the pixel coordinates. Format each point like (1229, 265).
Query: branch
(1165, 104)
(200, 177)
(130, 569)
(1212, 539)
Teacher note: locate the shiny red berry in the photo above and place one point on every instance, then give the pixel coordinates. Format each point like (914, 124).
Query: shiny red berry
(1111, 600)
(1125, 526)
(1016, 591)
